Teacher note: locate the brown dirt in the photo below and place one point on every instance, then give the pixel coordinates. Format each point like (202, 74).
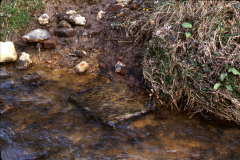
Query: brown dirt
(104, 44)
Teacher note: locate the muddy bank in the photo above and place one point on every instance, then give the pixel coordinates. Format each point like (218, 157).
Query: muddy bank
(105, 42)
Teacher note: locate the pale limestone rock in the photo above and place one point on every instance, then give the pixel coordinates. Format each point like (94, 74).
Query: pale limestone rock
(72, 17)
(71, 12)
(43, 19)
(100, 14)
(24, 61)
(123, 1)
(36, 35)
(82, 67)
(79, 20)
(7, 52)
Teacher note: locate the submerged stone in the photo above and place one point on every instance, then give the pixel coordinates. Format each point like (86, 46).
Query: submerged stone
(15, 152)
(4, 107)
(109, 103)
(3, 73)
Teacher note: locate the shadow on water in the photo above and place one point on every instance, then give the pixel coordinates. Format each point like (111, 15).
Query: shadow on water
(42, 124)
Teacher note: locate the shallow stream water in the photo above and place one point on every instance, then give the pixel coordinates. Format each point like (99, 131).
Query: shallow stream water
(42, 124)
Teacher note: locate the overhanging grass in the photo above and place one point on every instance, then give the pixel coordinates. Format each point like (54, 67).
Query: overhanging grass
(200, 73)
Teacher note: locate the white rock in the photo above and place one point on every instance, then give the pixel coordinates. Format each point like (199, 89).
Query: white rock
(79, 20)
(71, 12)
(82, 67)
(24, 61)
(100, 14)
(7, 52)
(43, 19)
(36, 35)
(25, 57)
(123, 1)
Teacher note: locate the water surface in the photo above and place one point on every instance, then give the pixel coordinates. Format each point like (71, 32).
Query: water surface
(43, 124)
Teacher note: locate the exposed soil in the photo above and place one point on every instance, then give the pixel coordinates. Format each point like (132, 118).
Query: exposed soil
(104, 43)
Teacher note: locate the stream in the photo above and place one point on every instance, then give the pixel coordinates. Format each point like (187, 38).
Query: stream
(42, 124)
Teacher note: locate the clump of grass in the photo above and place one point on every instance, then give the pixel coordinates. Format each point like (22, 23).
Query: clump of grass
(195, 67)
(15, 15)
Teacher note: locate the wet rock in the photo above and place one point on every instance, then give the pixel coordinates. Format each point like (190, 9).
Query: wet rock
(37, 35)
(80, 54)
(82, 67)
(3, 73)
(109, 103)
(7, 52)
(65, 32)
(43, 19)
(50, 43)
(123, 12)
(120, 67)
(100, 15)
(64, 24)
(24, 61)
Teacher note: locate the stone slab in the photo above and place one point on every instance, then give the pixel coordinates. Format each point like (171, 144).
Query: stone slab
(109, 103)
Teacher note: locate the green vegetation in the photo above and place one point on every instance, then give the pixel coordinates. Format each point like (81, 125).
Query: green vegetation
(192, 56)
(15, 15)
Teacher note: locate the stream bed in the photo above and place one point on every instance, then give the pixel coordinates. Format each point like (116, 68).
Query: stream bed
(43, 124)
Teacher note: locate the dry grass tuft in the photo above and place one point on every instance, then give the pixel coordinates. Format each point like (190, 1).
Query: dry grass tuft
(186, 72)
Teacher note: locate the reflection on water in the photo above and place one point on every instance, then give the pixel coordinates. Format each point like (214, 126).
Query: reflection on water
(44, 125)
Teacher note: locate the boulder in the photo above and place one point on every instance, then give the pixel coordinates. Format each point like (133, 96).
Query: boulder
(120, 67)
(82, 67)
(109, 103)
(37, 35)
(65, 32)
(7, 52)
(4, 73)
(43, 19)
(64, 24)
(24, 61)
